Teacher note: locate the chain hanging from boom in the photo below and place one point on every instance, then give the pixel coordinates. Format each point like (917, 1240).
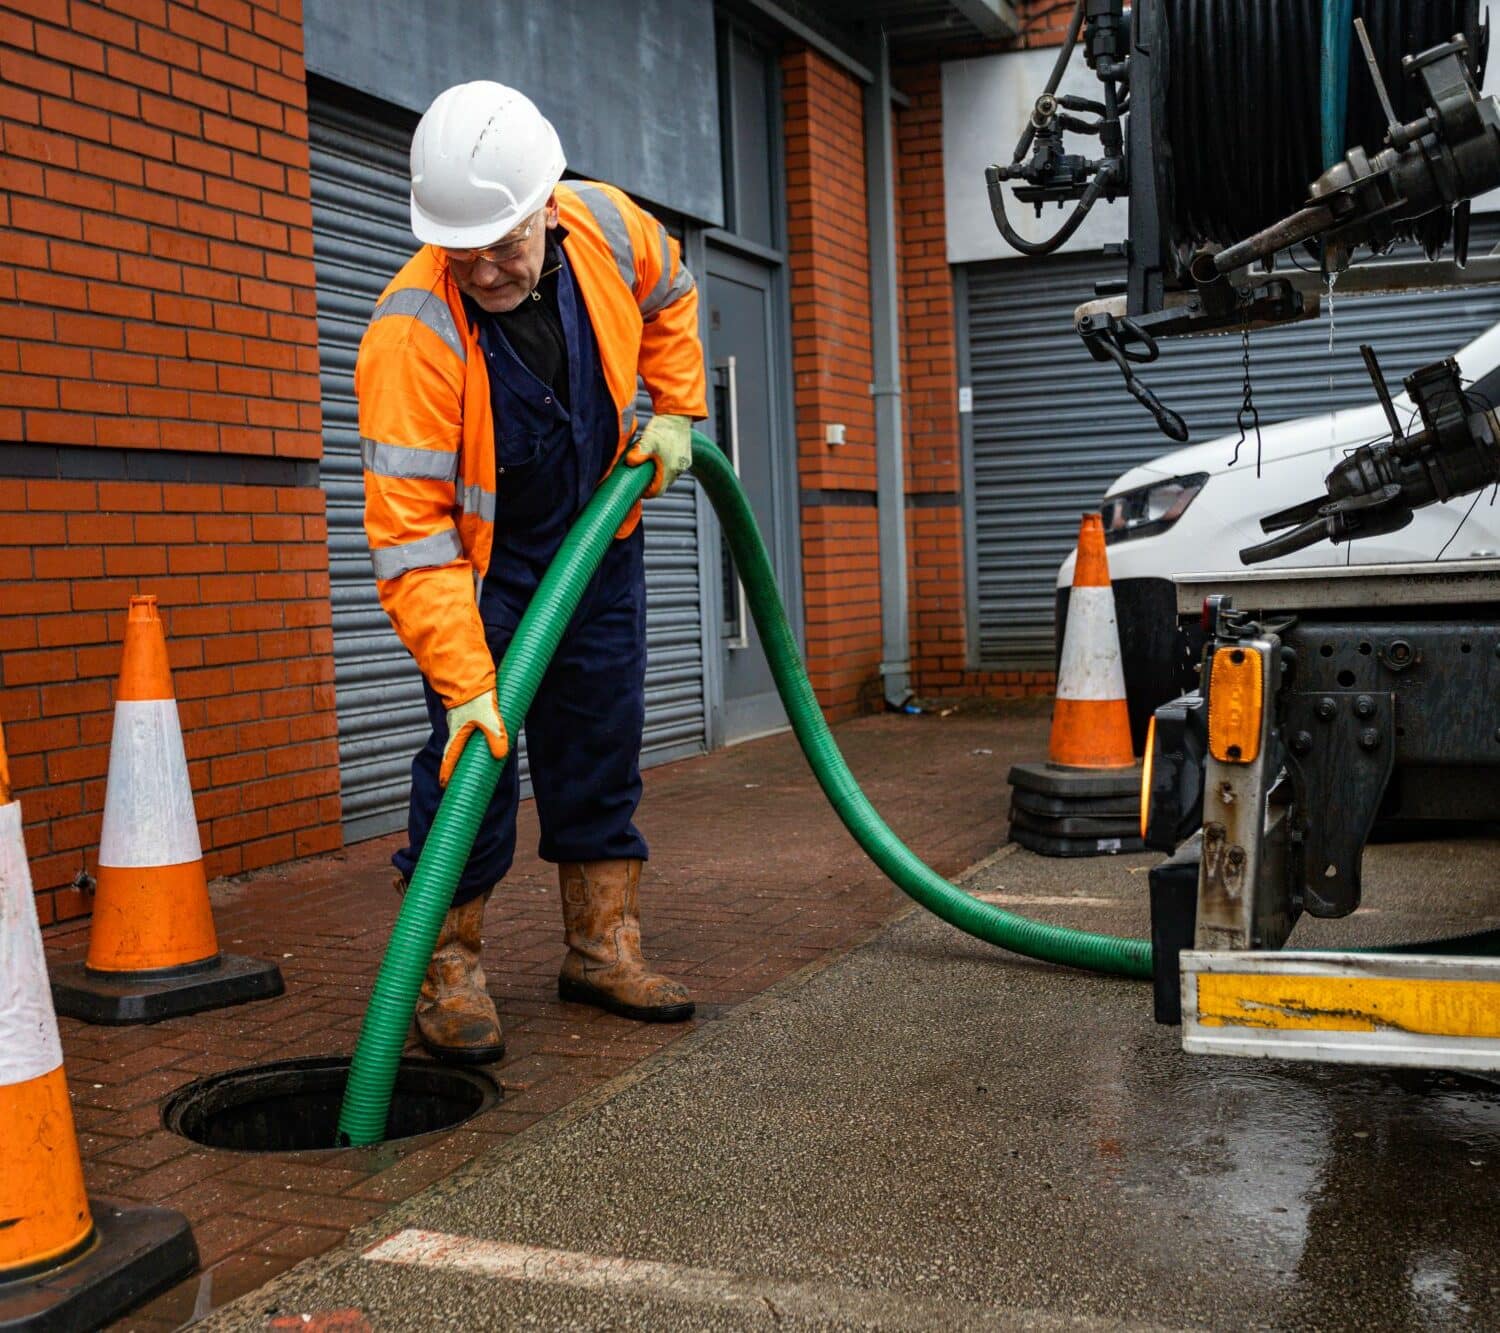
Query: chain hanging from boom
(1248, 410)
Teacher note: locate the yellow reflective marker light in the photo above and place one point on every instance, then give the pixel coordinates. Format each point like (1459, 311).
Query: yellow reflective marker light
(1146, 767)
(1235, 701)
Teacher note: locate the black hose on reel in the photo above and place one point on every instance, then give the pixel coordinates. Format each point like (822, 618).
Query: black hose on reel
(1242, 113)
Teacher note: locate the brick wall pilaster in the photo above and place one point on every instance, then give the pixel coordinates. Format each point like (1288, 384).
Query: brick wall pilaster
(934, 459)
(833, 363)
(1043, 22)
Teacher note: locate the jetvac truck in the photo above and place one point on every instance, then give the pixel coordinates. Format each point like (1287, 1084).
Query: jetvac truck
(1327, 695)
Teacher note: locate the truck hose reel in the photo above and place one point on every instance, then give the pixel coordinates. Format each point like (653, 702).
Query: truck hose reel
(1241, 106)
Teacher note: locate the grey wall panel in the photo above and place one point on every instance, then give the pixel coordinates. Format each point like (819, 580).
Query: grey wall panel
(1052, 428)
(360, 239)
(599, 69)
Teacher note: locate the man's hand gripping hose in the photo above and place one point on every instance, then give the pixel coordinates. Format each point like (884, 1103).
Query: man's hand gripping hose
(667, 442)
(482, 714)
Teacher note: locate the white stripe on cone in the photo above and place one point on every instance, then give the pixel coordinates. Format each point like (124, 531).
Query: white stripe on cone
(29, 1046)
(149, 818)
(1091, 666)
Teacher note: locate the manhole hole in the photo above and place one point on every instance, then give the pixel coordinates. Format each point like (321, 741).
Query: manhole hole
(293, 1105)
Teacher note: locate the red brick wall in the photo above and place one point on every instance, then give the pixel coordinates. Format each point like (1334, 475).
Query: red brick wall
(1043, 22)
(157, 302)
(828, 244)
(934, 461)
(158, 230)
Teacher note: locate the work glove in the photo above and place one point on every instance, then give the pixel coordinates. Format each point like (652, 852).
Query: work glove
(667, 441)
(483, 712)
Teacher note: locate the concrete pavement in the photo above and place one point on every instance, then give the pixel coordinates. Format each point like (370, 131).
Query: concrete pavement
(751, 878)
(927, 1133)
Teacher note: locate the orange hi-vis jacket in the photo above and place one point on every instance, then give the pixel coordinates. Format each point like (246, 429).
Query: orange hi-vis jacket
(427, 427)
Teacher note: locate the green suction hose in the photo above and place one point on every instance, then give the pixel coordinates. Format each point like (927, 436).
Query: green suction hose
(1053, 944)
(393, 1001)
(372, 1075)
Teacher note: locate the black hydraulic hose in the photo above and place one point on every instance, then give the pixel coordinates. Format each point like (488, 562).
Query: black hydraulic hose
(1023, 145)
(1089, 198)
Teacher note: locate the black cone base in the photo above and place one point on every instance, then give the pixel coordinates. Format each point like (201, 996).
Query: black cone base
(1093, 807)
(1059, 811)
(118, 998)
(1071, 784)
(137, 1252)
(1044, 845)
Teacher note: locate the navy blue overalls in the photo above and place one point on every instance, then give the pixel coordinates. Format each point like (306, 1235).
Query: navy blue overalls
(583, 731)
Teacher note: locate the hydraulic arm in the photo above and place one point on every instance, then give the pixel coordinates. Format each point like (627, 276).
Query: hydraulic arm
(1194, 129)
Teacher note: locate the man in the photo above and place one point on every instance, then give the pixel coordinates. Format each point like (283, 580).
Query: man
(496, 386)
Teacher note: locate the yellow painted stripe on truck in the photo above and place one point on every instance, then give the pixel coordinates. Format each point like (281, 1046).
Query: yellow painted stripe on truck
(1349, 1004)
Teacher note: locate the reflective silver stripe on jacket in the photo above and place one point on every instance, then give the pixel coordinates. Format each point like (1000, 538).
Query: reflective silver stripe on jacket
(429, 308)
(611, 222)
(658, 294)
(682, 284)
(478, 501)
(426, 553)
(401, 460)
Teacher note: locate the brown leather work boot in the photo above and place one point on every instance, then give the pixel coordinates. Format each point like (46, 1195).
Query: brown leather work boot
(604, 967)
(456, 1018)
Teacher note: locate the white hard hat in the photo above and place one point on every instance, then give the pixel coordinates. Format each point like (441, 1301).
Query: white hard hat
(483, 160)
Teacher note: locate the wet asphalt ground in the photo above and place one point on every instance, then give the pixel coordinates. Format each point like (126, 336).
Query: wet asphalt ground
(928, 1133)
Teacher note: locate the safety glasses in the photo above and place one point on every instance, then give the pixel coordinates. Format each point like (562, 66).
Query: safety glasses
(501, 252)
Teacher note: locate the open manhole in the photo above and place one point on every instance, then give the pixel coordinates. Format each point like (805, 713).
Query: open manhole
(293, 1105)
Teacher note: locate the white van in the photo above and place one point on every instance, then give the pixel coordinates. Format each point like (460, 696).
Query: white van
(1192, 511)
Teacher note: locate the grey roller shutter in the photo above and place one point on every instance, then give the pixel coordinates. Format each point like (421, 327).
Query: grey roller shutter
(361, 237)
(676, 723)
(1052, 428)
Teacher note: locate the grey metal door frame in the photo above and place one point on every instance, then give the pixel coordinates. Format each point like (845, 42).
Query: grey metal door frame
(730, 257)
(695, 255)
(970, 517)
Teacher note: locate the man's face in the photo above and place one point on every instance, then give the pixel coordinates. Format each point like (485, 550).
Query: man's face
(499, 276)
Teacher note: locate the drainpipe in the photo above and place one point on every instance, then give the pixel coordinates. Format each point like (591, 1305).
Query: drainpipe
(880, 175)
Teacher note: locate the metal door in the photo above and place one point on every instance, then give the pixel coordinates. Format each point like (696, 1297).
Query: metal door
(744, 400)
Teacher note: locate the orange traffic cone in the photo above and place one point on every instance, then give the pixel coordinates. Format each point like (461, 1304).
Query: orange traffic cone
(65, 1261)
(1090, 723)
(1085, 800)
(152, 950)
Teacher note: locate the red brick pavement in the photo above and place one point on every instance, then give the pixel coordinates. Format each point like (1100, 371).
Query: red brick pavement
(752, 878)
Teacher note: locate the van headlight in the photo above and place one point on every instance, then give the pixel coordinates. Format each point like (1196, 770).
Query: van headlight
(1149, 509)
